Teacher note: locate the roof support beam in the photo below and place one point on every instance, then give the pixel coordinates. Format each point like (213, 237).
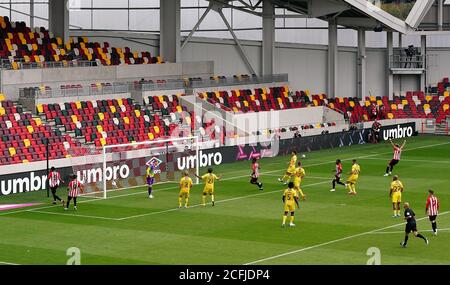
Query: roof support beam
(268, 40)
(195, 27)
(332, 58)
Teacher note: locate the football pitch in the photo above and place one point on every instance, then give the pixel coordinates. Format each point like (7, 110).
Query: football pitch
(244, 227)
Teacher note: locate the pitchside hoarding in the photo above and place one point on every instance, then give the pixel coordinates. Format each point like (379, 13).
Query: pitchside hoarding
(398, 131)
(131, 169)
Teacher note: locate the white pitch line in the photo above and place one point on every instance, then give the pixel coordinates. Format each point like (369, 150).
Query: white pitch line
(7, 263)
(306, 177)
(399, 232)
(330, 242)
(413, 160)
(75, 215)
(217, 202)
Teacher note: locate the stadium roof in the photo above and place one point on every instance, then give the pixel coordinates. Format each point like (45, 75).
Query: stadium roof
(349, 13)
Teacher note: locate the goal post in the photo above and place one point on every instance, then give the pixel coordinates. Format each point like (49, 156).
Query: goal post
(124, 166)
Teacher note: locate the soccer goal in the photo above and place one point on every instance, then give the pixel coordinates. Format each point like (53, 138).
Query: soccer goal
(124, 166)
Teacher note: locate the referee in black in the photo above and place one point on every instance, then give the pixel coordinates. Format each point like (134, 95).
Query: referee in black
(411, 225)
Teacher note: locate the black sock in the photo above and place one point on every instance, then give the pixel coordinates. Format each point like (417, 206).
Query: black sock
(387, 169)
(57, 198)
(434, 226)
(406, 240)
(334, 183)
(260, 185)
(149, 190)
(341, 183)
(75, 201)
(392, 168)
(421, 236)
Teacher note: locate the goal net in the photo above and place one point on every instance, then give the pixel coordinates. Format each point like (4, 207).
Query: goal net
(119, 167)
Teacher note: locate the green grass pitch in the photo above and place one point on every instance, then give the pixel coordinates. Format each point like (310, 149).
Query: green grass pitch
(245, 225)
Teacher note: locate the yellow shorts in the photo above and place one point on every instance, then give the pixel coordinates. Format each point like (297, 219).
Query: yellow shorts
(289, 207)
(290, 170)
(352, 179)
(184, 193)
(396, 197)
(208, 190)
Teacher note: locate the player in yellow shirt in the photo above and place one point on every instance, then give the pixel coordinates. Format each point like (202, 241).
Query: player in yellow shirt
(185, 189)
(291, 169)
(290, 199)
(396, 194)
(353, 178)
(299, 173)
(209, 179)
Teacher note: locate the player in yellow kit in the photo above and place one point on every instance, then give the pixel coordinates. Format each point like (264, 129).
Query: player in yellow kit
(353, 178)
(299, 173)
(290, 199)
(209, 179)
(291, 169)
(185, 189)
(396, 194)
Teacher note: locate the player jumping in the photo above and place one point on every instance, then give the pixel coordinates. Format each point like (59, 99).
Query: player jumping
(411, 225)
(395, 160)
(74, 188)
(209, 179)
(290, 170)
(396, 194)
(150, 178)
(298, 177)
(255, 174)
(353, 178)
(290, 199)
(337, 176)
(185, 188)
(432, 210)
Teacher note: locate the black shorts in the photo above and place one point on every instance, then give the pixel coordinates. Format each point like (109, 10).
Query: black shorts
(410, 227)
(253, 179)
(54, 188)
(393, 162)
(337, 178)
(432, 218)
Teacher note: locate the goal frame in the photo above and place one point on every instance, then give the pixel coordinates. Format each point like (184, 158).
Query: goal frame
(196, 143)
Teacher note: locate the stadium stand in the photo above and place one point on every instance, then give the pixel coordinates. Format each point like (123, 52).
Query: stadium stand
(23, 137)
(21, 45)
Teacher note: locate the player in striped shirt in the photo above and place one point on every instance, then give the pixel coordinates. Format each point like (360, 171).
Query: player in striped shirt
(54, 178)
(432, 210)
(337, 176)
(255, 174)
(397, 153)
(75, 188)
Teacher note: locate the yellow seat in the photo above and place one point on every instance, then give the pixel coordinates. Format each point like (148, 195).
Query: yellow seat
(315, 102)
(2, 111)
(341, 100)
(38, 121)
(119, 102)
(390, 116)
(393, 107)
(126, 120)
(15, 66)
(426, 106)
(156, 128)
(102, 141)
(137, 113)
(372, 99)
(379, 102)
(30, 129)
(331, 105)
(445, 107)
(264, 97)
(113, 109)
(37, 58)
(59, 40)
(25, 161)
(446, 94)
(352, 104)
(159, 59)
(428, 98)
(74, 118)
(99, 128)
(238, 93)
(12, 151)
(404, 102)
(2, 97)
(179, 109)
(318, 126)
(78, 105)
(101, 116)
(246, 103)
(365, 117)
(26, 142)
(151, 136)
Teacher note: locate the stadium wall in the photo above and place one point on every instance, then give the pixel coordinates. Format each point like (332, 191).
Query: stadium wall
(306, 64)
